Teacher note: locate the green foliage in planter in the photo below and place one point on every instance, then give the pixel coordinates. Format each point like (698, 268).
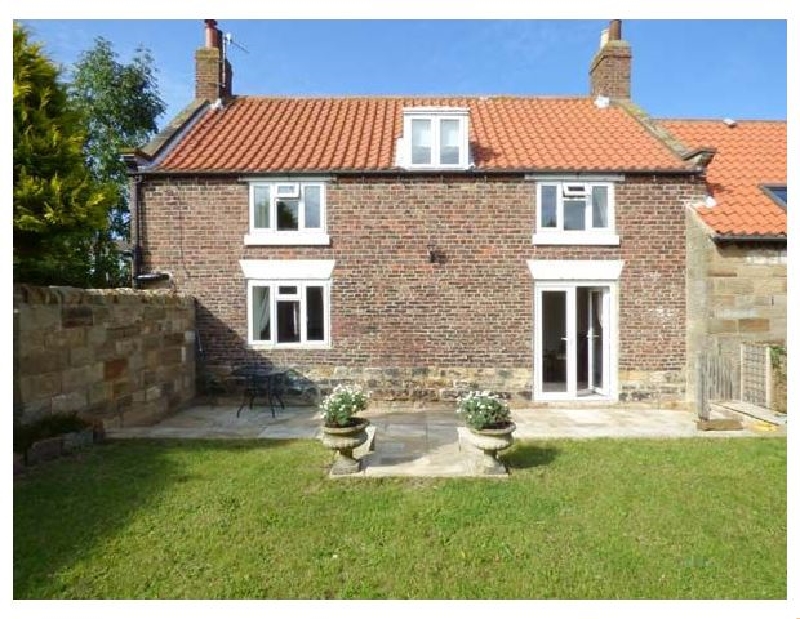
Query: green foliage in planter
(342, 404)
(26, 434)
(482, 410)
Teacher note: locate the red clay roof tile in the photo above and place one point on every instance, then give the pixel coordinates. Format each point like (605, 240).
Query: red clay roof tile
(749, 154)
(271, 134)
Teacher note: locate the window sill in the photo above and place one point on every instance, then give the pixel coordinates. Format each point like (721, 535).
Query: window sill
(576, 238)
(306, 346)
(287, 238)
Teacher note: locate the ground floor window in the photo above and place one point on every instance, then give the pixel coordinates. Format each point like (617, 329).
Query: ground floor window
(288, 313)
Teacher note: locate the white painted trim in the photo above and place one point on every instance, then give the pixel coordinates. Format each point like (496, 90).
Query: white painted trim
(435, 116)
(287, 238)
(590, 235)
(274, 297)
(575, 238)
(611, 305)
(302, 236)
(575, 270)
(583, 178)
(281, 270)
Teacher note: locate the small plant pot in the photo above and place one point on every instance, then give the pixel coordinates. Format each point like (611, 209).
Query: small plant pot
(344, 441)
(491, 441)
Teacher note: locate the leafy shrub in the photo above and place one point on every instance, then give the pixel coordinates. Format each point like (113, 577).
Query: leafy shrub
(482, 410)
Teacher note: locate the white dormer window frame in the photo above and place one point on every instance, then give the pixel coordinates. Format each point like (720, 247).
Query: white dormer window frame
(440, 120)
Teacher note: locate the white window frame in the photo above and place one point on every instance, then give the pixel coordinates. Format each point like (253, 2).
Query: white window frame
(301, 236)
(561, 274)
(436, 115)
(589, 236)
(274, 273)
(301, 296)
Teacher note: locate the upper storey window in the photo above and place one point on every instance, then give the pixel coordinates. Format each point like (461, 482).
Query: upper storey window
(435, 138)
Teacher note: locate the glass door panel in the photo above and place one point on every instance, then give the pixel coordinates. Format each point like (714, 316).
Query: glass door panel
(554, 341)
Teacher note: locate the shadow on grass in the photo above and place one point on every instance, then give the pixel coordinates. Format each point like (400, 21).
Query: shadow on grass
(66, 508)
(528, 455)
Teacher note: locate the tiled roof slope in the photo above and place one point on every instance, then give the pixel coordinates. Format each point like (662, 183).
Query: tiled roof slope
(749, 154)
(271, 134)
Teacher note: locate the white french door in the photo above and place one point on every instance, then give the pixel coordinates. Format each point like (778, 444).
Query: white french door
(573, 341)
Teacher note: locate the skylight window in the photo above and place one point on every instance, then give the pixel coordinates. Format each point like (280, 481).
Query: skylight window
(777, 193)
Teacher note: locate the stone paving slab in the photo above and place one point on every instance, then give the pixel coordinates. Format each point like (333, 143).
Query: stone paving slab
(415, 441)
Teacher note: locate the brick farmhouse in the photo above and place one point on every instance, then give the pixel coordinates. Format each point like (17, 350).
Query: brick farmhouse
(551, 249)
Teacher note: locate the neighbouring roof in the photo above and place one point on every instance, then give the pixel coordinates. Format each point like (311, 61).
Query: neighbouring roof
(289, 134)
(749, 154)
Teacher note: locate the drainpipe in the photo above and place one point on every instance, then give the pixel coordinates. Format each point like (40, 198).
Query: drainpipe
(137, 247)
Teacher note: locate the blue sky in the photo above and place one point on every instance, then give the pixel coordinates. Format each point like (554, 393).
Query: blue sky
(681, 68)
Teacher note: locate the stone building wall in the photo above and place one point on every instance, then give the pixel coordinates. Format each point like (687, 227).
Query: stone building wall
(411, 329)
(124, 356)
(736, 292)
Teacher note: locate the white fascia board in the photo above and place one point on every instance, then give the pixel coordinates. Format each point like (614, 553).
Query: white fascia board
(287, 269)
(567, 270)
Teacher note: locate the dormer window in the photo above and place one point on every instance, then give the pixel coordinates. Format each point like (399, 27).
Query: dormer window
(434, 138)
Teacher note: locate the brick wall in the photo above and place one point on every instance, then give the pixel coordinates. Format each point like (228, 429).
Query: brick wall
(610, 71)
(124, 356)
(737, 293)
(412, 326)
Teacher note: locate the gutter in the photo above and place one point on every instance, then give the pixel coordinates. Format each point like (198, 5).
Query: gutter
(721, 238)
(419, 173)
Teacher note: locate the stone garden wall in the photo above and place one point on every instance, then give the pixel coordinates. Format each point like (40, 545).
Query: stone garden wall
(126, 357)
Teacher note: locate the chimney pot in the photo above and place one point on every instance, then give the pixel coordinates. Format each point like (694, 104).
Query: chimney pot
(615, 30)
(212, 34)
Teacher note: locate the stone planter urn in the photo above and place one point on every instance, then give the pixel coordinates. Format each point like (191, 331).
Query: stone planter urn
(491, 441)
(344, 441)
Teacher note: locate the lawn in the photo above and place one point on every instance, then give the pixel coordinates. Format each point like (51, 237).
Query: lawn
(606, 518)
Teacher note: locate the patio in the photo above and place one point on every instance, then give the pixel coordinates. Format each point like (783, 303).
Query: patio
(409, 441)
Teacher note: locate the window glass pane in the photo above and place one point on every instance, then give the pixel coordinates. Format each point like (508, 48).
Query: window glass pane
(287, 214)
(549, 205)
(261, 326)
(288, 321)
(311, 197)
(287, 289)
(575, 214)
(600, 207)
(261, 206)
(449, 142)
(421, 141)
(315, 313)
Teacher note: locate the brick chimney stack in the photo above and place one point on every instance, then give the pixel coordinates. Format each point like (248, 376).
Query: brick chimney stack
(610, 71)
(213, 77)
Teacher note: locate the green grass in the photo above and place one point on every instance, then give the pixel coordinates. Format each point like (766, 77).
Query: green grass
(695, 518)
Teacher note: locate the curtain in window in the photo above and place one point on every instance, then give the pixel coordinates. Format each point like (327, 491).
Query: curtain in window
(261, 206)
(449, 141)
(421, 141)
(600, 207)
